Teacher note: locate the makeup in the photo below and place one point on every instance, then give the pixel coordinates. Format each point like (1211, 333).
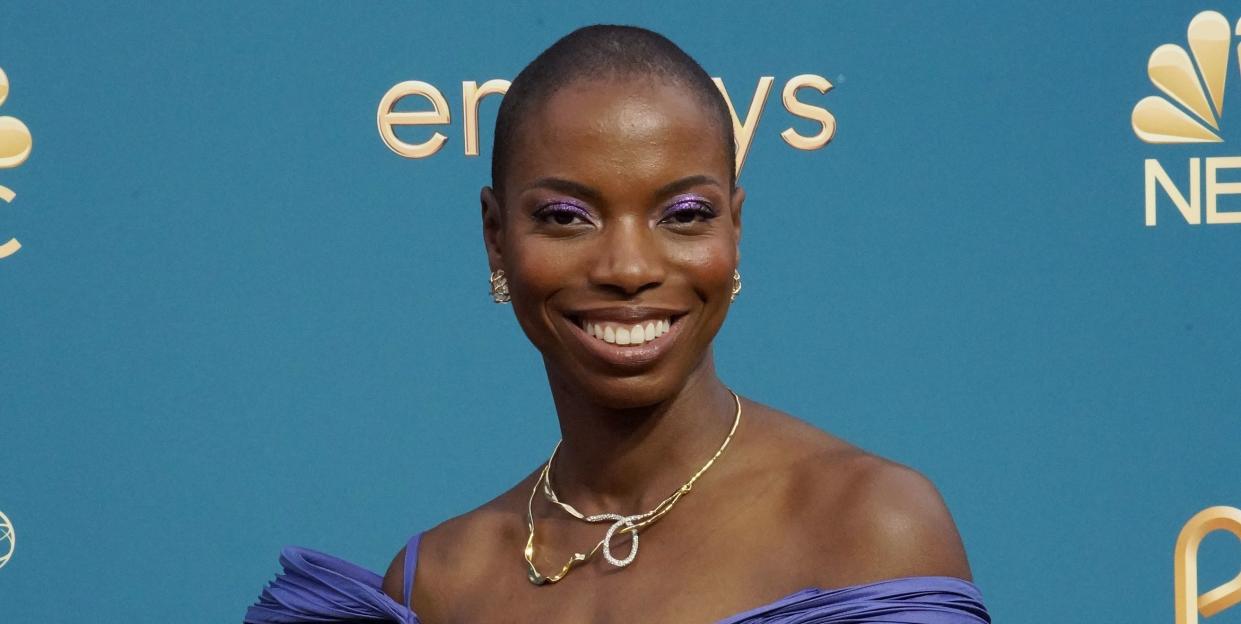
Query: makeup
(688, 208)
(561, 212)
(627, 357)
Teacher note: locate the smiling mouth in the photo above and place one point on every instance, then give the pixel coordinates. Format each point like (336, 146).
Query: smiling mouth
(625, 333)
(625, 344)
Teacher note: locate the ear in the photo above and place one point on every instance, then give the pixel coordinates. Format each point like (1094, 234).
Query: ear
(493, 228)
(738, 198)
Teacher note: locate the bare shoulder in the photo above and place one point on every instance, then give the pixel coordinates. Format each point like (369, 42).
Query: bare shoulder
(896, 524)
(872, 517)
(448, 554)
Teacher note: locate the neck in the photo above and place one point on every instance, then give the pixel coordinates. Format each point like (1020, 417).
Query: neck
(627, 460)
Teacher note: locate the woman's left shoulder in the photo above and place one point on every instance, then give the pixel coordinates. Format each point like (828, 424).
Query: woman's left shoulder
(879, 518)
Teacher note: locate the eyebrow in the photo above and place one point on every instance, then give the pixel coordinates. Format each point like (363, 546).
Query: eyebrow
(567, 186)
(590, 193)
(685, 183)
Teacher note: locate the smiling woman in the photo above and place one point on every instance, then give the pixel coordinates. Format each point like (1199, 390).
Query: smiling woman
(613, 227)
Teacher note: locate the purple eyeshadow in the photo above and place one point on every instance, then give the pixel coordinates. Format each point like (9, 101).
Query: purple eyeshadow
(552, 209)
(690, 203)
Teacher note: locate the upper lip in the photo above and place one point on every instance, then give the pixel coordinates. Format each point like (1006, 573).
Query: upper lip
(623, 314)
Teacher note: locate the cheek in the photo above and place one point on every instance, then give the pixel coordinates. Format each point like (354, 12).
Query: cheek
(709, 264)
(538, 269)
(542, 267)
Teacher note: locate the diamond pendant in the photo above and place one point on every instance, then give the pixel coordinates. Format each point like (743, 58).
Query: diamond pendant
(620, 522)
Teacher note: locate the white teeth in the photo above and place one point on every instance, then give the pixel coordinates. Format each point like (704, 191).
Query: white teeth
(636, 335)
(627, 334)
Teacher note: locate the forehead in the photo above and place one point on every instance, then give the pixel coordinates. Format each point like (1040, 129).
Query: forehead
(619, 136)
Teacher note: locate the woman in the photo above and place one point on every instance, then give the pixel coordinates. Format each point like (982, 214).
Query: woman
(612, 226)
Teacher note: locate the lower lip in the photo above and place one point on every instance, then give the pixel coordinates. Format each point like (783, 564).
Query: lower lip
(628, 357)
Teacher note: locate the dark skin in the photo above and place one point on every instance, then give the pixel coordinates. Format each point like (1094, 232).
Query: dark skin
(786, 507)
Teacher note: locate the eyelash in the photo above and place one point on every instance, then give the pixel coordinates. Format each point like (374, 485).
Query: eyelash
(700, 209)
(545, 214)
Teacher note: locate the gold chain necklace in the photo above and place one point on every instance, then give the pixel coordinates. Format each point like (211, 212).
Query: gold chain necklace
(620, 523)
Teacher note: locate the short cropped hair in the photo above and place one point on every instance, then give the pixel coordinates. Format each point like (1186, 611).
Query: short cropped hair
(604, 51)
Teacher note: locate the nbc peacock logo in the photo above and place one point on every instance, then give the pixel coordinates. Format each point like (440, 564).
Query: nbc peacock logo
(15, 144)
(1155, 119)
(1191, 113)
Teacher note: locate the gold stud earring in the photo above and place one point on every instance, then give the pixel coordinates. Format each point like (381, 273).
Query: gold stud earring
(736, 285)
(499, 287)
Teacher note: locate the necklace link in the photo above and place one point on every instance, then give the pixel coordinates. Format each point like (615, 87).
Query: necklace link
(621, 524)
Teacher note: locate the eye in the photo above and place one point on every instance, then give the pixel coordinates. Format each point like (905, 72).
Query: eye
(561, 214)
(688, 211)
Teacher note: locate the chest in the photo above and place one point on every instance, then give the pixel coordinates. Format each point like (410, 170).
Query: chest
(702, 582)
(679, 599)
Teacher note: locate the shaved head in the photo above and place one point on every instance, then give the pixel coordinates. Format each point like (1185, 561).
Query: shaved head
(604, 53)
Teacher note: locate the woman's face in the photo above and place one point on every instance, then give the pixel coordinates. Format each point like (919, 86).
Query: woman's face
(618, 221)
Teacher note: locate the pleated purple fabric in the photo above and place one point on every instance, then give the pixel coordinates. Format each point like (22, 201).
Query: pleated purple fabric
(316, 587)
(909, 600)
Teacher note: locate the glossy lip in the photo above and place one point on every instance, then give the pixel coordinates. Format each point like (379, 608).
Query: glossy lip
(627, 357)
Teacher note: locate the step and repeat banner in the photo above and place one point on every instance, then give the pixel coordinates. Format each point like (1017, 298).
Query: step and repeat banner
(244, 295)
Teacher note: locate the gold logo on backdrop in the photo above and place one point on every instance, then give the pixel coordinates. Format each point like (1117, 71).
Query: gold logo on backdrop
(1188, 602)
(15, 147)
(1155, 119)
(1195, 81)
(8, 539)
(472, 94)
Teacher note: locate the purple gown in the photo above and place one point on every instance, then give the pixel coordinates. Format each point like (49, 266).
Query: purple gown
(316, 587)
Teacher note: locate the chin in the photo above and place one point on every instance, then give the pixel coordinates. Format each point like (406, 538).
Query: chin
(624, 392)
(623, 377)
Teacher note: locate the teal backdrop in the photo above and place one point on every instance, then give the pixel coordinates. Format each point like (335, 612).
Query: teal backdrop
(239, 321)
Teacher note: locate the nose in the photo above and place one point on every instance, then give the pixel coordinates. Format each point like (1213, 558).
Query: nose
(628, 258)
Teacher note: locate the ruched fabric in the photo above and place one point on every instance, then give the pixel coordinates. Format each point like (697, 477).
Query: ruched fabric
(910, 600)
(316, 587)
